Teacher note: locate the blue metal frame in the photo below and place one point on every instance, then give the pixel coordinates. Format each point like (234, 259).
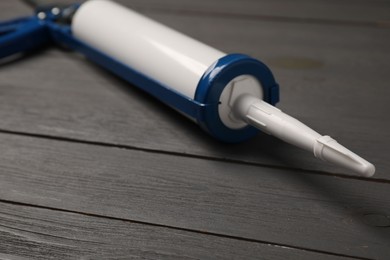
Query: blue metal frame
(25, 34)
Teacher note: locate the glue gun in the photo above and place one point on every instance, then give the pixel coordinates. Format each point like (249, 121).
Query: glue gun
(230, 96)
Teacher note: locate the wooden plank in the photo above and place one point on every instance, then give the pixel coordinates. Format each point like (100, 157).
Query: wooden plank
(288, 208)
(356, 12)
(13, 9)
(35, 233)
(338, 72)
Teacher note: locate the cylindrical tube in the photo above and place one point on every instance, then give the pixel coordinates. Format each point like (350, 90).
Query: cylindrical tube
(176, 63)
(160, 52)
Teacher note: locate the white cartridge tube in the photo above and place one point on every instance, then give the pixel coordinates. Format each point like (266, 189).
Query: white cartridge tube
(159, 52)
(179, 62)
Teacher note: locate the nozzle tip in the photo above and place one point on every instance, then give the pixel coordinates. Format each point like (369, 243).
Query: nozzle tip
(367, 170)
(328, 149)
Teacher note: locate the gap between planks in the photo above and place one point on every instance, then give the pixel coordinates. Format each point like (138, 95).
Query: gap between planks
(226, 160)
(181, 229)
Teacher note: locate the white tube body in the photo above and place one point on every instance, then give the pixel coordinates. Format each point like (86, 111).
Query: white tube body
(178, 62)
(157, 51)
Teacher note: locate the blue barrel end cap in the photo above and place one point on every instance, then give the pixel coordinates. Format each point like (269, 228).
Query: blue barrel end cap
(213, 82)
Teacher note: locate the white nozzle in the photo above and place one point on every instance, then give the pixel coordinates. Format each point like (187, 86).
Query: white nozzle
(273, 121)
(328, 149)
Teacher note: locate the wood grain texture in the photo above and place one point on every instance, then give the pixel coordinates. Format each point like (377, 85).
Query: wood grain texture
(60, 94)
(33, 233)
(302, 10)
(355, 12)
(109, 172)
(275, 206)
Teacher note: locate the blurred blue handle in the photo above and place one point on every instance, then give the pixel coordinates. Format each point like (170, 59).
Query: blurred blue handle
(21, 35)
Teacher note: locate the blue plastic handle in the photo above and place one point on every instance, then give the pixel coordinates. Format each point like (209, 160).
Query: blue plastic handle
(21, 35)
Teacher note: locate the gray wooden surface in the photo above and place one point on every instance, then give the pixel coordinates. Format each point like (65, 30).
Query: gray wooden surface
(91, 167)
